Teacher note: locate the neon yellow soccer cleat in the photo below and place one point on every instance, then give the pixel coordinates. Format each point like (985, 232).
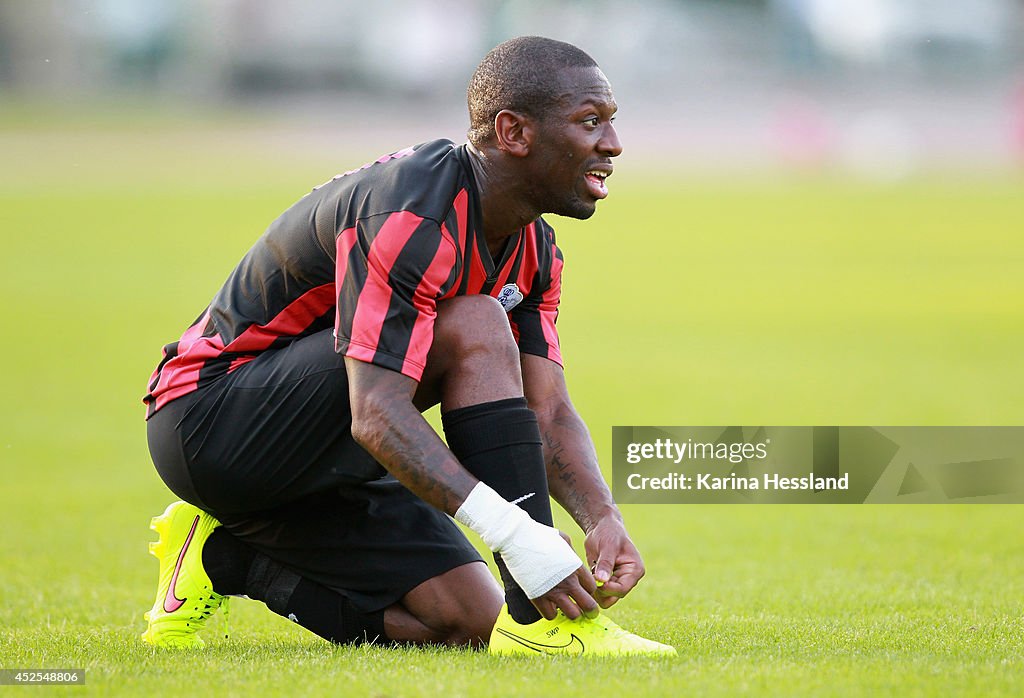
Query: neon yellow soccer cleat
(583, 636)
(184, 596)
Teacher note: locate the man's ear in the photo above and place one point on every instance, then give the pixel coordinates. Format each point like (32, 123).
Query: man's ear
(515, 132)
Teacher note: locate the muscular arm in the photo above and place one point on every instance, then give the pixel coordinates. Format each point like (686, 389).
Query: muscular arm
(387, 424)
(575, 481)
(574, 477)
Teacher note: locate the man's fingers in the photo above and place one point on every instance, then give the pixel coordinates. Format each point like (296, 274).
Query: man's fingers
(586, 580)
(569, 607)
(583, 593)
(571, 595)
(626, 580)
(563, 601)
(545, 607)
(609, 594)
(618, 586)
(603, 568)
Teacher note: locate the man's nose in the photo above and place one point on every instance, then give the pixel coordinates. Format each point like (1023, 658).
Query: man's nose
(610, 144)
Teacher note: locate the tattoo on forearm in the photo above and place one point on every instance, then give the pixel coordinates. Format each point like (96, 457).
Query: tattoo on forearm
(566, 488)
(423, 466)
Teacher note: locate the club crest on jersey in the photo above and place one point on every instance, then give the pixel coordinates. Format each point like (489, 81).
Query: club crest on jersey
(509, 296)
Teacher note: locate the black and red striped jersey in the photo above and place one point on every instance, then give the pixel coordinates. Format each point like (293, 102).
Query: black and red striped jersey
(371, 252)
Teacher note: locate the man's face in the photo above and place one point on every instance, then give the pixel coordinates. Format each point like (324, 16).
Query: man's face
(575, 145)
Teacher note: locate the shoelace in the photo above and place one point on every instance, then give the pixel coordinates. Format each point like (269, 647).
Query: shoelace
(207, 610)
(227, 625)
(199, 621)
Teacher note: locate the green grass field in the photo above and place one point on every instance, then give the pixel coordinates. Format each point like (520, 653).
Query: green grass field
(754, 301)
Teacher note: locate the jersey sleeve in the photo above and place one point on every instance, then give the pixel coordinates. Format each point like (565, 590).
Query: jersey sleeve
(533, 320)
(391, 268)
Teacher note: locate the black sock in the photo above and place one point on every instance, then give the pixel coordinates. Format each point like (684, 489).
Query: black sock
(499, 442)
(316, 608)
(235, 568)
(227, 561)
(332, 616)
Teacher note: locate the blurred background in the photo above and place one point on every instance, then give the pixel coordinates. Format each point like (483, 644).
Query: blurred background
(817, 220)
(881, 88)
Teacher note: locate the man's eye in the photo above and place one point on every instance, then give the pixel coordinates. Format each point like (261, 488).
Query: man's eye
(592, 121)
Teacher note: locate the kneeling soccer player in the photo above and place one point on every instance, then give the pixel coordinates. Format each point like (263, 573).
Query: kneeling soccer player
(288, 416)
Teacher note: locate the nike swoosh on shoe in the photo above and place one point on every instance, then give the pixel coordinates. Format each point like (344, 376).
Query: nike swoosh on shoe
(171, 602)
(540, 647)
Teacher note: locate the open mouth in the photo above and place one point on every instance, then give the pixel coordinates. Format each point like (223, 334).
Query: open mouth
(596, 183)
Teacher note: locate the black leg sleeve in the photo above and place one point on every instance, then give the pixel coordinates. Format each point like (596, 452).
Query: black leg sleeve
(499, 443)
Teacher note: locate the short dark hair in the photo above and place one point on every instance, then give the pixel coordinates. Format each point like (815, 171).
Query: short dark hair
(519, 74)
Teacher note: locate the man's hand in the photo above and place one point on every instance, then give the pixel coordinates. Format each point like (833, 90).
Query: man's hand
(576, 482)
(539, 557)
(614, 559)
(575, 595)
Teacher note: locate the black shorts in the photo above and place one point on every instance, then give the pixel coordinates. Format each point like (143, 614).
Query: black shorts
(268, 450)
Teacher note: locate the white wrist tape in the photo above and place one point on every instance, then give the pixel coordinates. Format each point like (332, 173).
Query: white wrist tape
(535, 554)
